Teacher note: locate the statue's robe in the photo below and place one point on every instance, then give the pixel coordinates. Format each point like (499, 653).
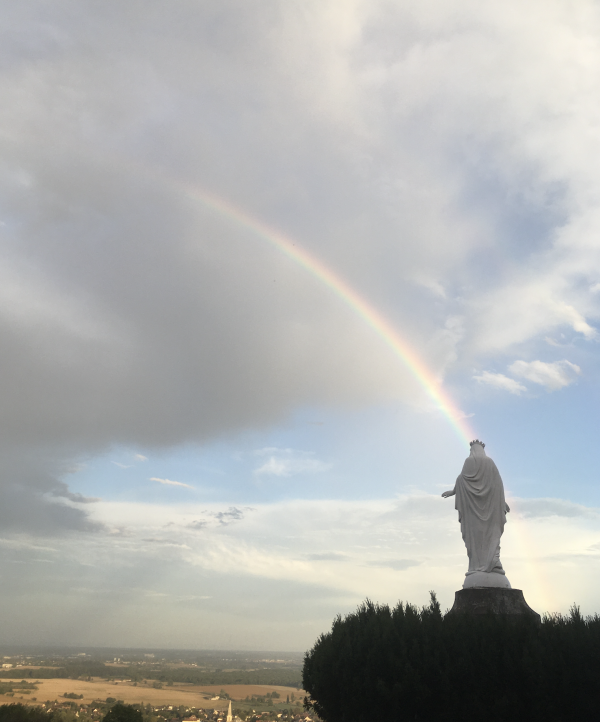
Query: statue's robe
(481, 511)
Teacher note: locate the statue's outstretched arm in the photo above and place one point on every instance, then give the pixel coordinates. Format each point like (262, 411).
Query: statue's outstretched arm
(446, 494)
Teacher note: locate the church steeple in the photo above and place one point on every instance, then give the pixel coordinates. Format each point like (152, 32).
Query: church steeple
(229, 716)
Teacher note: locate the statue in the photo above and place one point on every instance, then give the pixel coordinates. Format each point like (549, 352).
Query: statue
(482, 513)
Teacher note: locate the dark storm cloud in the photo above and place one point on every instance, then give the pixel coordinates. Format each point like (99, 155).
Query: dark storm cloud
(32, 496)
(132, 314)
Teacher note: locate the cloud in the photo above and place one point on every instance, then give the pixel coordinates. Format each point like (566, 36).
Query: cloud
(256, 568)
(222, 518)
(80, 319)
(543, 508)
(289, 462)
(231, 515)
(193, 597)
(168, 482)
(278, 466)
(34, 499)
(166, 542)
(121, 466)
(132, 316)
(500, 381)
(140, 457)
(398, 565)
(25, 544)
(551, 375)
(327, 557)
(74, 496)
(197, 524)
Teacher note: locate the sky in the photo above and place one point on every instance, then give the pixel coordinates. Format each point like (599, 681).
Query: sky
(265, 269)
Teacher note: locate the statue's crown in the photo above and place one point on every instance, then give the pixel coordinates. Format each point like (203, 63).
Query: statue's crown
(476, 441)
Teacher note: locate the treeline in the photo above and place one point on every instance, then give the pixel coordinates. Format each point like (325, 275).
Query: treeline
(20, 713)
(278, 677)
(23, 687)
(283, 676)
(67, 671)
(415, 664)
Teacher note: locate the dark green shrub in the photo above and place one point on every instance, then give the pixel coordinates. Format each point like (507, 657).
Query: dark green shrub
(413, 664)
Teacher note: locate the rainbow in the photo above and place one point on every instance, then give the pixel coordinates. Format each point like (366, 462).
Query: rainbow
(344, 291)
(382, 328)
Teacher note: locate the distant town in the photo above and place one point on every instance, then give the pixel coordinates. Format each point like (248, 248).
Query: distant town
(82, 685)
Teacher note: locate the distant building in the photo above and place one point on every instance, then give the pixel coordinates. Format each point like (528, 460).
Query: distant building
(229, 717)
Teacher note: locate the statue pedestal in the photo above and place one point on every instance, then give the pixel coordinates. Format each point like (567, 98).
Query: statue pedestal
(492, 600)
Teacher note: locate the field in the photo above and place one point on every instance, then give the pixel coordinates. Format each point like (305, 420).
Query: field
(178, 694)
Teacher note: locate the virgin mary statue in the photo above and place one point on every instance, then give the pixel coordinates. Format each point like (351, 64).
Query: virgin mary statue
(482, 513)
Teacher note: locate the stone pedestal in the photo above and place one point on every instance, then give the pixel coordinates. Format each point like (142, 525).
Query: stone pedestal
(509, 603)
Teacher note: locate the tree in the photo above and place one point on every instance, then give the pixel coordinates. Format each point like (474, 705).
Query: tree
(122, 713)
(413, 664)
(20, 713)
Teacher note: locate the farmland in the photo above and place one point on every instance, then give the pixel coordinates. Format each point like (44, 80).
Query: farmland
(178, 694)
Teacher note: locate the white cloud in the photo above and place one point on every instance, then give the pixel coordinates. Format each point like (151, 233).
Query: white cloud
(398, 565)
(533, 508)
(349, 547)
(121, 466)
(267, 450)
(500, 381)
(168, 482)
(524, 309)
(553, 376)
(140, 457)
(289, 462)
(337, 552)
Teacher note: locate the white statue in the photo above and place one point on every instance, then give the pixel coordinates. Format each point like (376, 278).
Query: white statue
(482, 514)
